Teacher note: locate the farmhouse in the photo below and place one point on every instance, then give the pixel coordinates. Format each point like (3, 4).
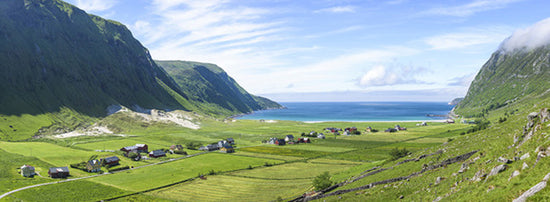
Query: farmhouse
(93, 166)
(369, 129)
(280, 142)
(27, 171)
(210, 147)
(58, 172)
(227, 149)
(391, 130)
(304, 140)
(398, 128)
(289, 138)
(272, 140)
(176, 147)
(157, 153)
(321, 136)
(110, 161)
(138, 148)
(222, 143)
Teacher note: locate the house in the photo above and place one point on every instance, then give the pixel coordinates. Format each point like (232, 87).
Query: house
(27, 171)
(272, 140)
(157, 153)
(280, 142)
(304, 140)
(58, 172)
(222, 143)
(321, 136)
(210, 147)
(227, 149)
(93, 166)
(110, 161)
(369, 129)
(450, 121)
(138, 148)
(231, 141)
(289, 138)
(351, 130)
(176, 147)
(391, 130)
(398, 128)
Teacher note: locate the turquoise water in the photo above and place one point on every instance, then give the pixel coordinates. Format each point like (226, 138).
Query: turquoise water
(354, 111)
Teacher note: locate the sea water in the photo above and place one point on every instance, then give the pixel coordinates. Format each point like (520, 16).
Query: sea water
(354, 111)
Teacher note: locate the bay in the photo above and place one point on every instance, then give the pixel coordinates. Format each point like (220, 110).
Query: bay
(354, 111)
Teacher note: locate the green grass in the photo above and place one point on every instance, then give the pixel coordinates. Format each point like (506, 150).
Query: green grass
(81, 190)
(155, 176)
(231, 188)
(10, 177)
(284, 151)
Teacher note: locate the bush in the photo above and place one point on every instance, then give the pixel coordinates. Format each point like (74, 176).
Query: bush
(192, 145)
(119, 168)
(180, 152)
(322, 181)
(398, 153)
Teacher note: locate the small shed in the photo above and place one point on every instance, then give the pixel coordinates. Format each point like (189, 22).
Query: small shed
(289, 138)
(111, 161)
(369, 129)
(93, 166)
(227, 149)
(321, 136)
(157, 153)
(176, 147)
(231, 141)
(280, 142)
(58, 172)
(27, 171)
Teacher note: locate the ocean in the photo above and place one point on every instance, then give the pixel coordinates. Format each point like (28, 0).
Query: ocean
(354, 111)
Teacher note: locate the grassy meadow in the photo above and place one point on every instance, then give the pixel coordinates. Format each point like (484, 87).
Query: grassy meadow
(253, 171)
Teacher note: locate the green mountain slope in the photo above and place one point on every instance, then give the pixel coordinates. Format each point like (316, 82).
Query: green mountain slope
(209, 84)
(507, 77)
(54, 54)
(60, 68)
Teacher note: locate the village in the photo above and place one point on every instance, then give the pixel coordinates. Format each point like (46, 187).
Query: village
(134, 152)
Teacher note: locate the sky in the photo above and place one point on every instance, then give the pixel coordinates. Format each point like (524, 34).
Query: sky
(334, 50)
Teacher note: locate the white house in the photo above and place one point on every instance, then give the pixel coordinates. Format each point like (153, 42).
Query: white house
(27, 171)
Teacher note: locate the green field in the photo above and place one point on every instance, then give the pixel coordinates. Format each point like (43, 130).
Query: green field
(253, 172)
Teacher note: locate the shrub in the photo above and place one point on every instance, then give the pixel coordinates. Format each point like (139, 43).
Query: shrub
(180, 152)
(398, 153)
(119, 168)
(192, 145)
(322, 181)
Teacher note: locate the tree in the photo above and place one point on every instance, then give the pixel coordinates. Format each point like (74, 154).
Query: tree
(322, 181)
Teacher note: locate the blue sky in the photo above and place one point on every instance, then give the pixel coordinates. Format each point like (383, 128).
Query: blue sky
(330, 50)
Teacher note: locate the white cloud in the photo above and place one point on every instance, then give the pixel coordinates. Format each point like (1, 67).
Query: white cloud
(468, 38)
(95, 5)
(383, 75)
(529, 38)
(337, 9)
(464, 81)
(471, 8)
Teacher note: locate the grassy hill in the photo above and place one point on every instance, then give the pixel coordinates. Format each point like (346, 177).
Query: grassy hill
(208, 84)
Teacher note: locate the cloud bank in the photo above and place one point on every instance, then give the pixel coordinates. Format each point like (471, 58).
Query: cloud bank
(387, 76)
(529, 38)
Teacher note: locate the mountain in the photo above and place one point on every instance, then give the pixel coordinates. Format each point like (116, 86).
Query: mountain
(456, 101)
(56, 55)
(507, 77)
(61, 68)
(210, 84)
